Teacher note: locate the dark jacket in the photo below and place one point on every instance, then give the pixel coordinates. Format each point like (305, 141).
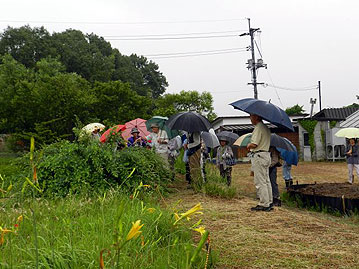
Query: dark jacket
(354, 157)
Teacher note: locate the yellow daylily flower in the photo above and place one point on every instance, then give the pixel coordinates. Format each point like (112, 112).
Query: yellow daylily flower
(3, 232)
(194, 210)
(135, 230)
(19, 218)
(201, 230)
(151, 210)
(176, 216)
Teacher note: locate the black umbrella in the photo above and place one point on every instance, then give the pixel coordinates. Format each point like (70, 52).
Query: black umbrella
(227, 136)
(188, 121)
(210, 139)
(265, 110)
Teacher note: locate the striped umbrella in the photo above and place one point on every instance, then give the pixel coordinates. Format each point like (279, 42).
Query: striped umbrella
(243, 140)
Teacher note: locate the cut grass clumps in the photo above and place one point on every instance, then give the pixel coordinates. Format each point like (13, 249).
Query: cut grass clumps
(215, 185)
(219, 190)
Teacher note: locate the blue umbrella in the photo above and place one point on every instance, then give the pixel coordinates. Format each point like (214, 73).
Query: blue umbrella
(290, 157)
(265, 110)
(281, 142)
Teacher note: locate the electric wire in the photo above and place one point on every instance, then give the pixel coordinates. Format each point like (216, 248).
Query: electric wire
(309, 88)
(194, 52)
(255, 42)
(270, 77)
(175, 34)
(119, 23)
(174, 38)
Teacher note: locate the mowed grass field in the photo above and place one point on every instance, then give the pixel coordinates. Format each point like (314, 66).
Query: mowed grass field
(287, 237)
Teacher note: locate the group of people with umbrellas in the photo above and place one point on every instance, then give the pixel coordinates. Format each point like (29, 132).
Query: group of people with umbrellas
(194, 133)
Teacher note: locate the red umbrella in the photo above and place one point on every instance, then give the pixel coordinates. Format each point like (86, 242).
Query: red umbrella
(138, 123)
(112, 130)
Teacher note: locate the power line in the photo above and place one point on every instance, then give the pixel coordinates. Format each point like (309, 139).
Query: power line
(309, 88)
(255, 42)
(270, 77)
(118, 23)
(173, 38)
(195, 52)
(176, 34)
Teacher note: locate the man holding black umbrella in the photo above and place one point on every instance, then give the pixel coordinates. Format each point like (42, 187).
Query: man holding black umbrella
(261, 160)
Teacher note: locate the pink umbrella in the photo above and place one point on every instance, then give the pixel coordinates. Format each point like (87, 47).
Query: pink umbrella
(138, 123)
(112, 130)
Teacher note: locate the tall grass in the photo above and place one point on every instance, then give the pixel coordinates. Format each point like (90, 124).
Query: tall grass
(89, 231)
(73, 231)
(216, 186)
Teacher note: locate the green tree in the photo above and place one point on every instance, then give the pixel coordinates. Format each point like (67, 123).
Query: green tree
(46, 101)
(294, 110)
(117, 103)
(170, 104)
(88, 55)
(353, 105)
(152, 77)
(25, 44)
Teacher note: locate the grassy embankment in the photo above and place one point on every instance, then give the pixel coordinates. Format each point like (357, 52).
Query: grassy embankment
(72, 232)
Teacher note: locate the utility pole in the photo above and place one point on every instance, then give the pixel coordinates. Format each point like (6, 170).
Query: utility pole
(254, 69)
(320, 96)
(251, 63)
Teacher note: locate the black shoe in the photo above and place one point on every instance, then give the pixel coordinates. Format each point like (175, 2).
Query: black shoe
(261, 208)
(277, 202)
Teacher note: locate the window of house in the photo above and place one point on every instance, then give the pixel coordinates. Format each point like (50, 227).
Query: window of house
(306, 139)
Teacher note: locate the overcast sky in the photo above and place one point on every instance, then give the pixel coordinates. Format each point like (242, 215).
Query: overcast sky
(301, 41)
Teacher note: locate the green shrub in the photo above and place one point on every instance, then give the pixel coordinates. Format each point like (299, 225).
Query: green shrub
(74, 167)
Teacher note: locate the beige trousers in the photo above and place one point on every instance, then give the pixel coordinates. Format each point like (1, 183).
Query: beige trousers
(260, 166)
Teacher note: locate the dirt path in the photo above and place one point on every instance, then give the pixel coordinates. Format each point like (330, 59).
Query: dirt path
(284, 238)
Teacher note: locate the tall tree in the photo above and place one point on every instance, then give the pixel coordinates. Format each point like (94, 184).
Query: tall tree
(88, 55)
(25, 44)
(170, 104)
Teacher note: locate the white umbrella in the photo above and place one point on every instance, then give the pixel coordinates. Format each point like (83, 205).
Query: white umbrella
(348, 133)
(89, 128)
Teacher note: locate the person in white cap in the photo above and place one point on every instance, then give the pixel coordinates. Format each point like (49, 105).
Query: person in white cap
(159, 140)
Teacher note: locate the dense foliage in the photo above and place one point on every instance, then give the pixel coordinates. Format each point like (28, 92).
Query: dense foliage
(80, 167)
(48, 83)
(295, 110)
(87, 55)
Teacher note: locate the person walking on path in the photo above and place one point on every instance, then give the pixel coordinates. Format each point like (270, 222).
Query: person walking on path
(174, 145)
(261, 160)
(186, 161)
(224, 153)
(159, 140)
(275, 157)
(287, 176)
(352, 152)
(136, 140)
(194, 155)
